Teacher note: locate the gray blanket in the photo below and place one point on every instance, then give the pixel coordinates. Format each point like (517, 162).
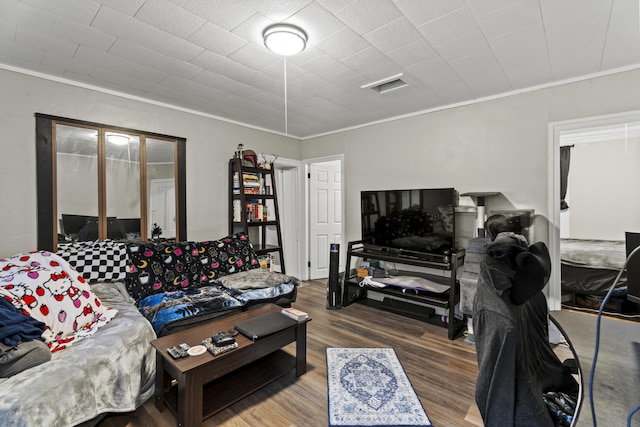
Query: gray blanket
(111, 371)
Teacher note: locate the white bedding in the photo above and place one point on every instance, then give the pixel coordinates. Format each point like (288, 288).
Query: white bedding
(607, 254)
(111, 371)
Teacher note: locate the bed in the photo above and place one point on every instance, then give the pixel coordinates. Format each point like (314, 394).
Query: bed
(590, 266)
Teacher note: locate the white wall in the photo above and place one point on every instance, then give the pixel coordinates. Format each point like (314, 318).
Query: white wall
(604, 184)
(210, 144)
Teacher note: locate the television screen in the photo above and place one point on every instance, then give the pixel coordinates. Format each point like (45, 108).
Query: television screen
(420, 221)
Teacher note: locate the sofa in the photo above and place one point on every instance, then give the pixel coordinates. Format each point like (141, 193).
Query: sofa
(99, 304)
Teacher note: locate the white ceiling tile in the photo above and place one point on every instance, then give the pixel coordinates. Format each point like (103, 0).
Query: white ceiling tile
(34, 38)
(528, 73)
(216, 39)
(393, 35)
(16, 12)
(129, 7)
(624, 9)
(172, 46)
(434, 72)
(573, 12)
(144, 56)
(616, 54)
(419, 11)
(81, 11)
(255, 56)
(112, 77)
(625, 28)
(449, 27)
(381, 72)
(454, 93)
(230, 68)
(511, 18)
(366, 59)
(8, 31)
(572, 41)
(252, 28)
(169, 17)
(412, 53)
(281, 11)
(276, 70)
(462, 47)
(334, 5)
(100, 59)
(323, 65)
(484, 7)
(211, 79)
(227, 14)
(81, 78)
(82, 34)
(366, 15)
(347, 78)
(491, 80)
(317, 22)
(10, 48)
(343, 43)
(119, 24)
(66, 63)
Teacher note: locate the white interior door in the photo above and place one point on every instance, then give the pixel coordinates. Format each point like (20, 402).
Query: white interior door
(325, 214)
(163, 205)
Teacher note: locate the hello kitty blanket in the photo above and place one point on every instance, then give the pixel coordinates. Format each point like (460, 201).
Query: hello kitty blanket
(47, 288)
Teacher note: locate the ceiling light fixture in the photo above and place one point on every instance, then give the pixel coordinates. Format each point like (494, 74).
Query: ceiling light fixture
(284, 39)
(117, 139)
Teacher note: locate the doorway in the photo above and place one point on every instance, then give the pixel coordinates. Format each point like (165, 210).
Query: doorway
(325, 213)
(289, 180)
(564, 133)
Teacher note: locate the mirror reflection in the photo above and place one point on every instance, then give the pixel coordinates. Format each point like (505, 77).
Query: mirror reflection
(161, 187)
(77, 183)
(110, 184)
(122, 186)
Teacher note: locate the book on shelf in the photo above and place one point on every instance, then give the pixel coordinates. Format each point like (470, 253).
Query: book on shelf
(294, 313)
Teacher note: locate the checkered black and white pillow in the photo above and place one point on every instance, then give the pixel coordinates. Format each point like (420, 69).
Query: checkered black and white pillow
(98, 261)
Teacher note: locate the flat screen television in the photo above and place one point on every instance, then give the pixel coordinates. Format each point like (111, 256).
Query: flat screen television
(415, 223)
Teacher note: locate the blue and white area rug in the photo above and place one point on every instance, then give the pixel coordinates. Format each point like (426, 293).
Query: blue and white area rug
(368, 387)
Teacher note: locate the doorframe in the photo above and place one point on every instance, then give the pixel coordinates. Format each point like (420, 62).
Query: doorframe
(301, 236)
(553, 206)
(307, 211)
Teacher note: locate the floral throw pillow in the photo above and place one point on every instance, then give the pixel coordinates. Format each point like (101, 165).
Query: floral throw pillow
(46, 287)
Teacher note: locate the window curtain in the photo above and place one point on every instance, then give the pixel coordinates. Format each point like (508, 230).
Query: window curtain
(565, 160)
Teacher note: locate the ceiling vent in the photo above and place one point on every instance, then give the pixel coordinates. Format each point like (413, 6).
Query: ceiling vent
(386, 85)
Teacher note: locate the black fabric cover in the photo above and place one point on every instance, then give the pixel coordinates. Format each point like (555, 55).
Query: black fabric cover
(516, 363)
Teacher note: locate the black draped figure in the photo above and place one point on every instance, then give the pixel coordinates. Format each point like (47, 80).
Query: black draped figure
(516, 364)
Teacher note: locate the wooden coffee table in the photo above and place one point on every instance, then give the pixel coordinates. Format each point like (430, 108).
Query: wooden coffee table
(195, 387)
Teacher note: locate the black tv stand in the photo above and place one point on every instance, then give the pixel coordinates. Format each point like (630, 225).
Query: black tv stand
(419, 305)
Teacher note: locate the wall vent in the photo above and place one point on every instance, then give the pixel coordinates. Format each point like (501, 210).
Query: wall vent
(386, 85)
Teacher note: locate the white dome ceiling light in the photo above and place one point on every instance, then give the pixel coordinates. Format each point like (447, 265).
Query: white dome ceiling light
(284, 39)
(117, 139)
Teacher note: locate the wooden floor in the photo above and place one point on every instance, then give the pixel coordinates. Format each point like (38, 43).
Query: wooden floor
(442, 372)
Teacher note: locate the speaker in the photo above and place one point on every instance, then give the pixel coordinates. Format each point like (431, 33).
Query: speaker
(334, 290)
